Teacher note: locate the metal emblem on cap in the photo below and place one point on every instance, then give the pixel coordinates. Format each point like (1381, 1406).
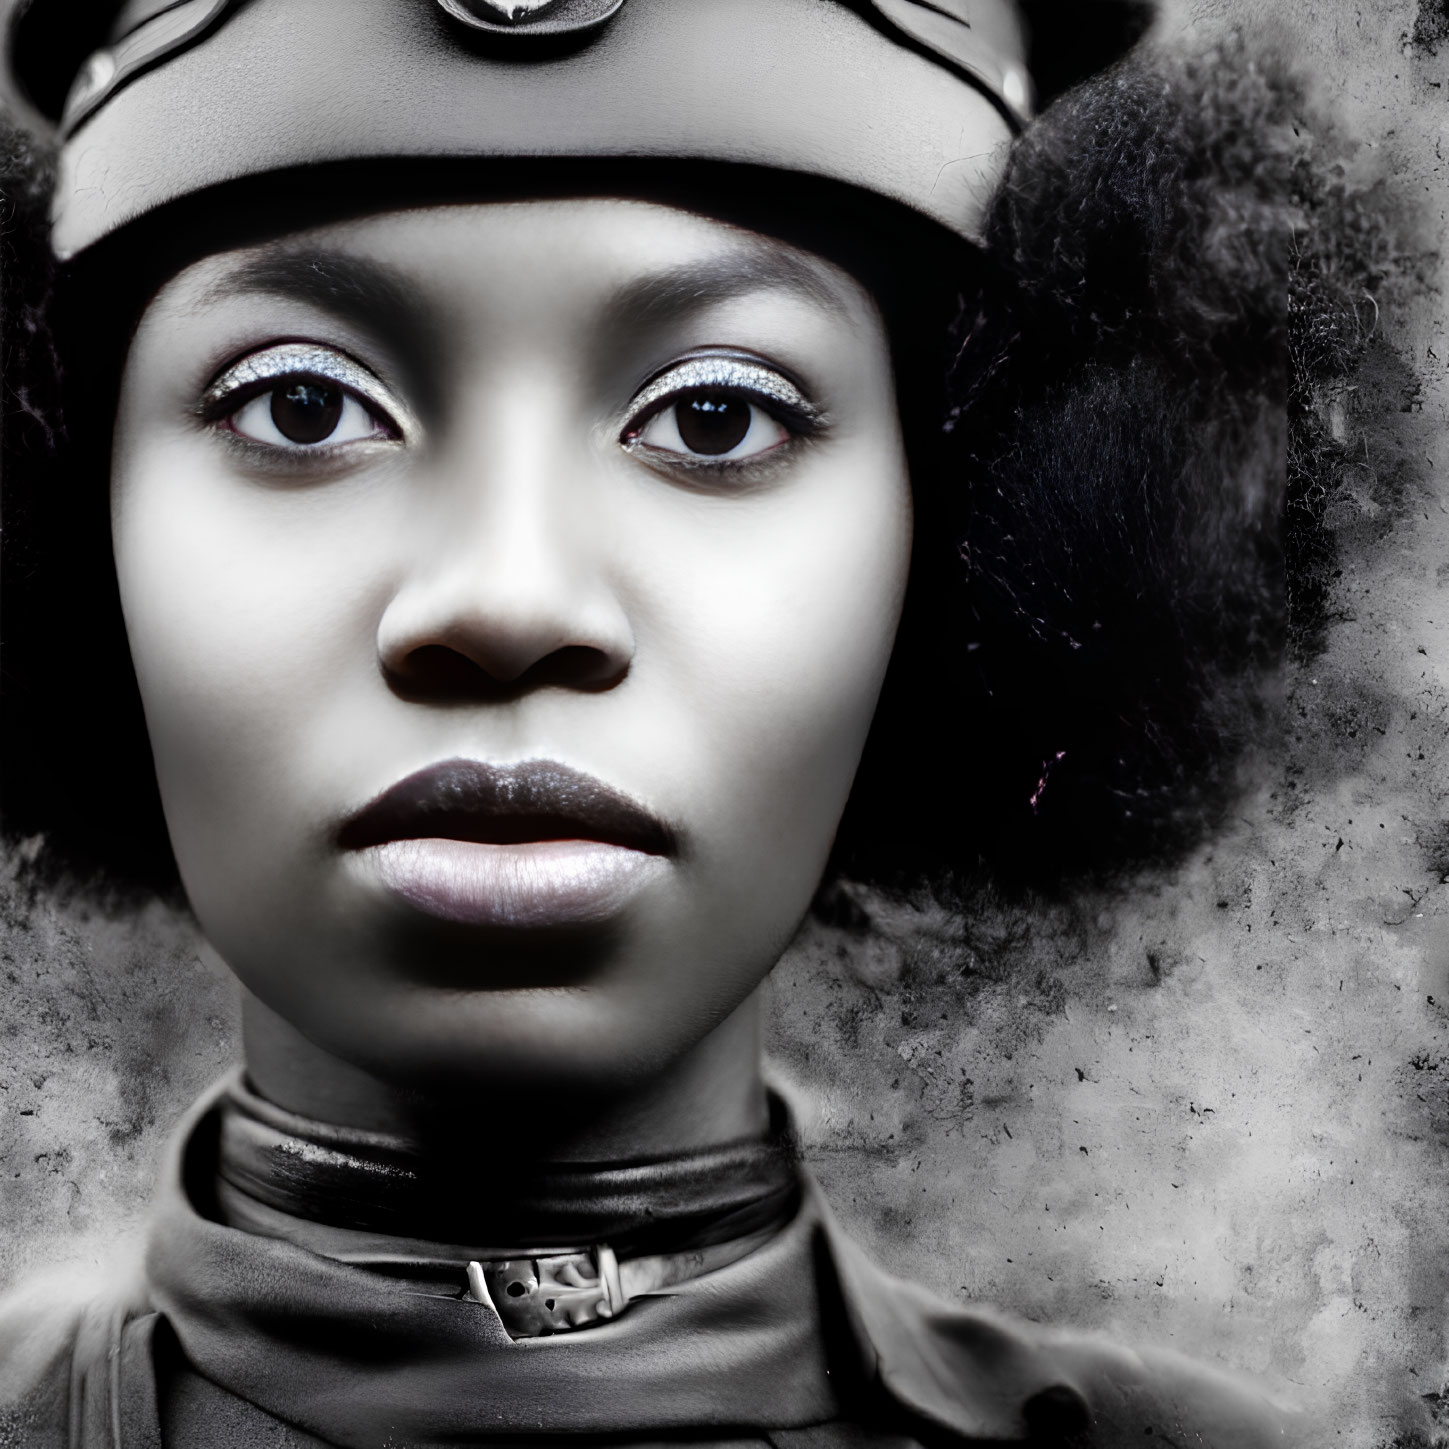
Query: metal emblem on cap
(533, 17)
(508, 14)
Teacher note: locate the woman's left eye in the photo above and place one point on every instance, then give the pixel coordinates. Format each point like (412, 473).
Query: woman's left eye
(719, 409)
(300, 397)
(719, 426)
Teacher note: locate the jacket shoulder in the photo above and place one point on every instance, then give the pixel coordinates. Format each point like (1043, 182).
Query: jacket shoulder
(1133, 1394)
(1060, 1387)
(50, 1326)
(989, 1376)
(39, 1325)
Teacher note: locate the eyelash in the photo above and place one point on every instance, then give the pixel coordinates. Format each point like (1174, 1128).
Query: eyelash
(727, 376)
(718, 376)
(267, 372)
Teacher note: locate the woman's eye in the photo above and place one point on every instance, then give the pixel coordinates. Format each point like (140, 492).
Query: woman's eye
(720, 426)
(306, 412)
(719, 409)
(298, 397)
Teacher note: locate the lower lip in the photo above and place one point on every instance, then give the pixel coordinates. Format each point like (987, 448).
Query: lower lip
(529, 886)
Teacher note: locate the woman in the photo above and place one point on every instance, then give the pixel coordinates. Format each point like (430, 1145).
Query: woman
(522, 445)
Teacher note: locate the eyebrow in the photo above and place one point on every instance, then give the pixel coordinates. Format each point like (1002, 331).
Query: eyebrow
(372, 296)
(355, 288)
(381, 301)
(757, 266)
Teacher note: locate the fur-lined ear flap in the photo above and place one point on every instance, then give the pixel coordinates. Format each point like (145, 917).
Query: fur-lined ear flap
(1074, 39)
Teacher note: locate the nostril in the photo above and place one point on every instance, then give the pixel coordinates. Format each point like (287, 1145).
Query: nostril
(482, 634)
(576, 666)
(436, 671)
(439, 673)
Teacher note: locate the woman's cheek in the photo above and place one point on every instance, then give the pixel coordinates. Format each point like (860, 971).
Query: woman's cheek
(245, 611)
(776, 683)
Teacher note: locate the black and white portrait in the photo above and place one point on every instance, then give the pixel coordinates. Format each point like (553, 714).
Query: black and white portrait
(723, 722)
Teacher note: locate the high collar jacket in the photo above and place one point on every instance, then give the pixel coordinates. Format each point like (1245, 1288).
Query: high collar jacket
(226, 1339)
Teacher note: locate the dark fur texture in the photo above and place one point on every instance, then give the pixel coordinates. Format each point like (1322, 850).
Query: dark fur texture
(1115, 486)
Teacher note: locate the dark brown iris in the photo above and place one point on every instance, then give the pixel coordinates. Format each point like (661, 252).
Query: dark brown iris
(713, 423)
(307, 410)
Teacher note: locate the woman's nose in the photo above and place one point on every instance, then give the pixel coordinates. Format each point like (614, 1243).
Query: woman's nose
(506, 587)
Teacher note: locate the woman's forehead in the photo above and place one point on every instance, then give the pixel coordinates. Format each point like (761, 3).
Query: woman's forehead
(640, 260)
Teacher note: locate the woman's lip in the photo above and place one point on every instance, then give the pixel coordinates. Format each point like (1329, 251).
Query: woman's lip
(530, 885)
(528, 803)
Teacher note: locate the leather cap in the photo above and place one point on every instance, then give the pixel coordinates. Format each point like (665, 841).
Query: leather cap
(912, 100)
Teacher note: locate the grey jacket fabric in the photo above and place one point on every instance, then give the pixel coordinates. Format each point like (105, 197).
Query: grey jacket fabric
(228, 1339)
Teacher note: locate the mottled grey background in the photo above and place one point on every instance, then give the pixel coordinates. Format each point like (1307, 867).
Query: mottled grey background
(1211, 1112)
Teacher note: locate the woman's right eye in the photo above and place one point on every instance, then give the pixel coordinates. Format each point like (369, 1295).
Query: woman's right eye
(300, 398)
(306, 412)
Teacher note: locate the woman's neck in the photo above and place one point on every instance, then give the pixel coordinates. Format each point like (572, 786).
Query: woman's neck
(712, 1095)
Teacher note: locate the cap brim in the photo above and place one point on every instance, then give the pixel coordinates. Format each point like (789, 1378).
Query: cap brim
(793, 85)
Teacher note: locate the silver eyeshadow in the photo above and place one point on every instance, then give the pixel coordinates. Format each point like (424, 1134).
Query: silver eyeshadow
(301, 359)
(753, 380)
(725, 373)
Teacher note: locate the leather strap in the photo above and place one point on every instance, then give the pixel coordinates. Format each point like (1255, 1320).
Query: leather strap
(474, 1205)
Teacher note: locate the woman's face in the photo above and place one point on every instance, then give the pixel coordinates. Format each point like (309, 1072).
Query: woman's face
(510, 587)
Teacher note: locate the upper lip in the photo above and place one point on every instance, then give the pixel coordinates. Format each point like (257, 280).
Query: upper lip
(506, 804)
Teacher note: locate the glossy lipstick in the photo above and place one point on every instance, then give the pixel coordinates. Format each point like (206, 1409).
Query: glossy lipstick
(523, 847)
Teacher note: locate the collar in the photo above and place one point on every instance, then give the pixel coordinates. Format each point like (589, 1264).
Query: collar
(360, 1358)
(371, 1184)
(355, 1357)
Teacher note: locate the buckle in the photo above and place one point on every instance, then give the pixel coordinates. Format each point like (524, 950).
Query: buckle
(558, 1293)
